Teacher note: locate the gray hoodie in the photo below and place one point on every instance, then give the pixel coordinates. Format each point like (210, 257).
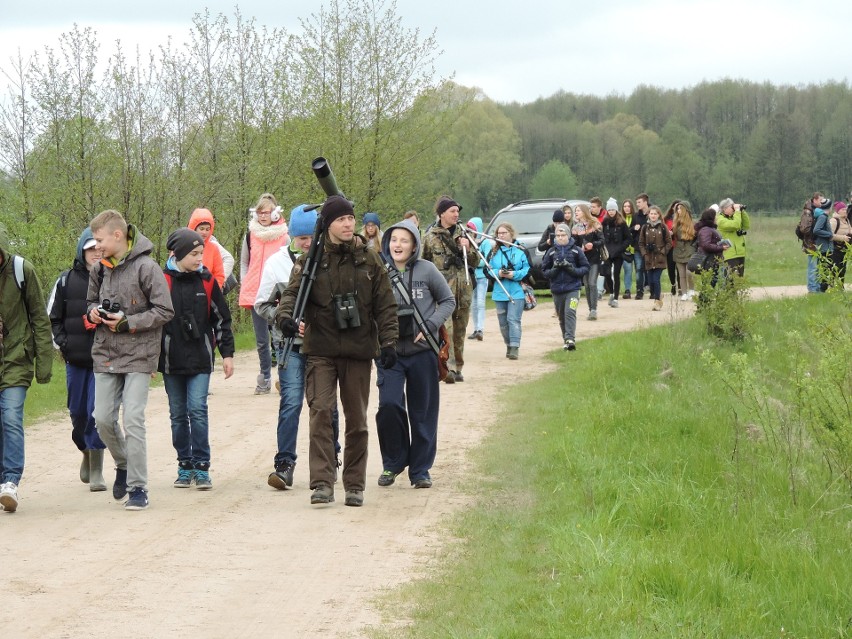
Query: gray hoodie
(428, 289)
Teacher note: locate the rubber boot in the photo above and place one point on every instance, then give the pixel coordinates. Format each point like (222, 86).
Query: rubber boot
(84, 467)
(96, 471)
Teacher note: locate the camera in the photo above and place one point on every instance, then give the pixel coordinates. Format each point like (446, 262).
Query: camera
(189, 327)
(346, 311)
(107, 307)
(742, 232)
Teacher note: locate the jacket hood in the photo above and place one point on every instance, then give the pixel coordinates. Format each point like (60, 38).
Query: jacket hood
(408, 226)
(477, 222)
(85, 236)
(139, 245)
(200, 216)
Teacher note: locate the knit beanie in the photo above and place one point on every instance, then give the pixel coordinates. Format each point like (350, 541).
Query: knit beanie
(612, 204)
(302, 222)
(444, 203)
(372, 217)
(558, 216)
(839, 205)
(335, 206)
(564, 228)
(182, 242)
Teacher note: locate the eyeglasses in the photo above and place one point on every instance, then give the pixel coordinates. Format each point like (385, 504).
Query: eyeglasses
(264, 212)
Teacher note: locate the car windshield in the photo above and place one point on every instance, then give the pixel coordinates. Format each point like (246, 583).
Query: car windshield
(528, 221)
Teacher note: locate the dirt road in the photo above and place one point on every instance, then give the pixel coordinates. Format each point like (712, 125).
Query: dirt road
(245, 560)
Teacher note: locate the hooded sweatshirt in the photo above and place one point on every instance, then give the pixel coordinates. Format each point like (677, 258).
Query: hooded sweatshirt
(212, 257)
(427, 288)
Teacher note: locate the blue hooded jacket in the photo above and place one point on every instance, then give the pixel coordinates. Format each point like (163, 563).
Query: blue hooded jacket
(561, 281)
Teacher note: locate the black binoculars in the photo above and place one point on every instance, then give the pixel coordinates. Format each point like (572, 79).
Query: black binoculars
(108, 307)
(346, 311)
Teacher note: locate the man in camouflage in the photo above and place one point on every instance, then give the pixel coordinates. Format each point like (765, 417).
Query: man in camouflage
(445, 245)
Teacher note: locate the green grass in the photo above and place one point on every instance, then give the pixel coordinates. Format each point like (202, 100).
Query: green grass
(773, 254)
(614, 507)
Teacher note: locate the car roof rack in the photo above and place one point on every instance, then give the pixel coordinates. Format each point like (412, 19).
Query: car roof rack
(539, 201)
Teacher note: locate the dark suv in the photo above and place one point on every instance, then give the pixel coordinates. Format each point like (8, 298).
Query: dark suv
(530, 218)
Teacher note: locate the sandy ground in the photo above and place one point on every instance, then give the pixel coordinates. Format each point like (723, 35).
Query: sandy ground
(245, 560)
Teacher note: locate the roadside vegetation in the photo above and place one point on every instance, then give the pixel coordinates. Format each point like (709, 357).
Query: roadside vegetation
(684, 486)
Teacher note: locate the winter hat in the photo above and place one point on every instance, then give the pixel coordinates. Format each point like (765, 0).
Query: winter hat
(335, 206)
(558, 216)
(825, 204)
(725, 203)
(182, 242)
(839, 205)
(444, 203)
(302, 222)
(612, 204)
(563, 227)
(372, 217)
(715, 208)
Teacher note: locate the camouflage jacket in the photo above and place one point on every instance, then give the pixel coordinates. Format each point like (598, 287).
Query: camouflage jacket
(440, 246)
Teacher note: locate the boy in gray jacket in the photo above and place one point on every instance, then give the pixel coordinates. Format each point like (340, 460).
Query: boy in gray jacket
(414, 376)
(130, 302)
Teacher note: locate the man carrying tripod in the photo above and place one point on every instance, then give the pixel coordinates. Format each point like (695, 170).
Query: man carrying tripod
(349, 318)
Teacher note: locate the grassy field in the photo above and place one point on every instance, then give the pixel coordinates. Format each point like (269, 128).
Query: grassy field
(636, 505)
(773, 254)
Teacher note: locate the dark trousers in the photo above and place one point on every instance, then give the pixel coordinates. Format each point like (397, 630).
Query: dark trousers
(80, 383)
(672, 270)
(838, 259)
(409, 398)
(612, 275)
(323, 377)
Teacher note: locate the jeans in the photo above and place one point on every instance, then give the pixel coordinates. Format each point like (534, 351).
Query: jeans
(509, 317)
(261, 337)
(590, 280)
(292, 382)
(477, 308)
(127, 445)
(80, 384)
(566, 310)
(188, 412)
(12, 433)
(654, 282)
(627, 270)
(813, 280)
(639, 265)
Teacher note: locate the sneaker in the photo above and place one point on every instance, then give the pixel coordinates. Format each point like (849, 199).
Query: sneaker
(264, 385)
(658, 305)
(472, 335)
(565, 345)
(138, 499)
(282, 478)
(387, 478)
(423, 482)
(450, 378)
(626, 295)
(202, 480)
(322, 495)
(513, 352)
(613, 302)
(184, 478)
(684, 297)
(9, 496)
(571, 345)
(593, 315)
(639, 295)
(459, 377)
(690, 293)
(479, 336)
(119, 487)
(354, 498)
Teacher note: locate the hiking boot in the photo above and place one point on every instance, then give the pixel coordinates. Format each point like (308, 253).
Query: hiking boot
(84, 467)
(450, 378)
(658, 305)
(9, 496)
(626, 295)
(479, 336)
(423, 482)
(185, 475)
(264, 385)
(639, 295)
(322, 495)
(458, 375)
(202, 479)
(354, 498)
(119, 487)
(387, 478)
(138, 499)
(513, 352)
(282, 478)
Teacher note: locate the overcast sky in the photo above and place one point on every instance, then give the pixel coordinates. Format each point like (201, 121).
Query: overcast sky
(520, 50)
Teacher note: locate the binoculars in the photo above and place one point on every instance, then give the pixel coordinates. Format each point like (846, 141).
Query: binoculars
(108, 307)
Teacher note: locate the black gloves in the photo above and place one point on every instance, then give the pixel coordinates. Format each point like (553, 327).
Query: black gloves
(289, 327)
(570, 268)
(387, 356)
(123, 326)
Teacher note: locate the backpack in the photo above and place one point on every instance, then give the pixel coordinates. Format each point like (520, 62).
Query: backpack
(18, 267)
(805, 227)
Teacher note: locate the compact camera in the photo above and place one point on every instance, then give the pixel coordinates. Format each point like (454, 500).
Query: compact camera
(346, 311)
(107, 307)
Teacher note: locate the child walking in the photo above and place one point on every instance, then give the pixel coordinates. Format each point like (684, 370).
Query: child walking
(201, 323)
(126, 347)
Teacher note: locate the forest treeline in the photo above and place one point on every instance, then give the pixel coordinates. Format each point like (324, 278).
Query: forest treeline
(239, 108)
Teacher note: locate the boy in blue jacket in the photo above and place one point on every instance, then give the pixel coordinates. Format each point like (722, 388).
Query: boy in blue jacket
(201, 323)
(564, 265)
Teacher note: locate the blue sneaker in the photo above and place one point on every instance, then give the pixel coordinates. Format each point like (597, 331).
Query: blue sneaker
(184, 478)
(138, 499)
(202, 480)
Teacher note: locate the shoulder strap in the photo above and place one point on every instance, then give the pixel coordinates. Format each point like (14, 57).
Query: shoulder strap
(208, 288)
(20, 281)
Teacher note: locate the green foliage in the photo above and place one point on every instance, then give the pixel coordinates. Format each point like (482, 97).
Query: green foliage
(554, 179)
(624, 513)
(723, 308)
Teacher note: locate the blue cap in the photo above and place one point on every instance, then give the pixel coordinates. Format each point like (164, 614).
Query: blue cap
(302, 222)
(372, 217)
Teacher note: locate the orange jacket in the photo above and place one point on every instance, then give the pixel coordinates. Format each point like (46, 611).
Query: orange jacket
(211, 258)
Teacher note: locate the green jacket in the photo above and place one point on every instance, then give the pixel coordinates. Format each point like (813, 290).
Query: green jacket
(27, 345)
(728, 227)
(344, 268)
